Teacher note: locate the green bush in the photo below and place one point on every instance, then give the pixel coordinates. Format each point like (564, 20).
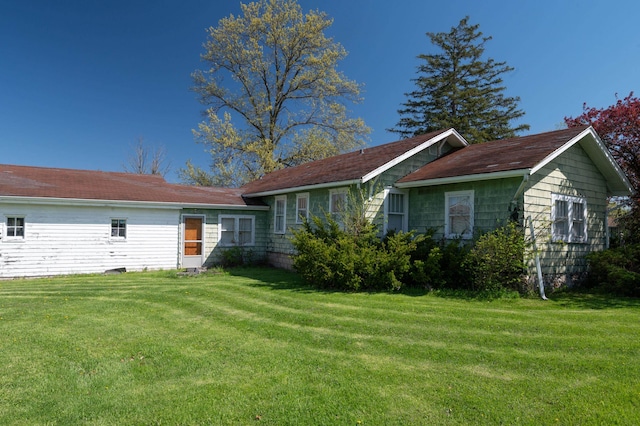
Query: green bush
(616, 270)
(330, 257)
(496, 260)
(232, 257)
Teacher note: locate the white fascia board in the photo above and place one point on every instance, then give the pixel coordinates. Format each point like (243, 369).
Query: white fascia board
(303, 188)
(468, 178)
(412, 152)
(121, 203)
(602, 150)
(555, 154)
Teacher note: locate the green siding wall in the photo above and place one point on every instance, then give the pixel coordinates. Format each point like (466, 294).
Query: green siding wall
(573, 173)
(492, 204)
(213, 251)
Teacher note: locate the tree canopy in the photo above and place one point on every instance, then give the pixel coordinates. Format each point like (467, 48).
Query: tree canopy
(273, 93)
(458, 88)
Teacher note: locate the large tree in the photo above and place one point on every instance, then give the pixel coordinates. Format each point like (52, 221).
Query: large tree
(273, 93)
(619, 127)
(458, 88)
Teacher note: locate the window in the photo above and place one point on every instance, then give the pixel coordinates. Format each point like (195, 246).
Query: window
(302, 207)
(236, 230)
(568, 218)
(459, 214)
(395, 209)
(337, 201)
(118, 229)
(15, 227)
(280, 215)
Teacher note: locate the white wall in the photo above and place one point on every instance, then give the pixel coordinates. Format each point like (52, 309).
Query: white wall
(76, 239)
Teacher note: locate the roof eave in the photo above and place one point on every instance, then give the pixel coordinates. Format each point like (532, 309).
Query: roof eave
(617, 182)
(124, 203)
(451, 133)
(465, 178)
(303, 188)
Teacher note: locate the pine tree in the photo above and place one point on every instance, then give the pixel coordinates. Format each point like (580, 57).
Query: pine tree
(457, 88)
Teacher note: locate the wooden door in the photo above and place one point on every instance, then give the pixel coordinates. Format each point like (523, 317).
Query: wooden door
(192, 242)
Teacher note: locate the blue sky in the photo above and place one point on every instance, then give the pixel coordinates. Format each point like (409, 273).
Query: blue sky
(82, 80)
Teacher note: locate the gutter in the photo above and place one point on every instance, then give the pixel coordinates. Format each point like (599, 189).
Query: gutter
(464, 178)
(124, 203)
(303, 188)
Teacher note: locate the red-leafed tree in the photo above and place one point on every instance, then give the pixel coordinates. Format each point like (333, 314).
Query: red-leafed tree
(619, 127)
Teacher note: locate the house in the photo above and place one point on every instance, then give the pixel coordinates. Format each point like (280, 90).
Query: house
(60, 221)
(555, 183)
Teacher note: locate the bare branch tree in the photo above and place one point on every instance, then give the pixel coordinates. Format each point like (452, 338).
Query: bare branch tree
(144, 160)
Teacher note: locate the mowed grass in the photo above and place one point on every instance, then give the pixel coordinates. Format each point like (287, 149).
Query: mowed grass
(256, 346)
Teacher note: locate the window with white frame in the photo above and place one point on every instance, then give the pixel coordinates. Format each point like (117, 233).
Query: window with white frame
(280, 215)
(568, 218)
(15, 227)
(337, 201)
(236, 230)
(459, 214)
(395, 210)
(302, 207)
(118, 229)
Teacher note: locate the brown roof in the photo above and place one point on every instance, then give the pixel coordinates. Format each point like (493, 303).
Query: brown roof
(339, 168)
(505, 155)
(23, 181)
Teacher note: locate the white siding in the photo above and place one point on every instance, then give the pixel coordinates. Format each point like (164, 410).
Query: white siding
(76, 239)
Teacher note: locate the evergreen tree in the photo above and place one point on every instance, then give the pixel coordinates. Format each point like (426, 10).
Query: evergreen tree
(457, 88)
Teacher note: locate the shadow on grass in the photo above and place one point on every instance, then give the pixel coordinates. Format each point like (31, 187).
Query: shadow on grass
(584, 299)
(280, 279)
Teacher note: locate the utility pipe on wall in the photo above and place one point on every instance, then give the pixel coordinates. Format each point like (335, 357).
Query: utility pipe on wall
(537, 256)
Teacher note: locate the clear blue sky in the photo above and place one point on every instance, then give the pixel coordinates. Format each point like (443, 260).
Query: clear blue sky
(82, 80)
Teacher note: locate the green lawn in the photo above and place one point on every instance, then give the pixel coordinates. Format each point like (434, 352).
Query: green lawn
(255, 346)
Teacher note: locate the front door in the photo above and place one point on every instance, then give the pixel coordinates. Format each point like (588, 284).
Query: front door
(192, 244)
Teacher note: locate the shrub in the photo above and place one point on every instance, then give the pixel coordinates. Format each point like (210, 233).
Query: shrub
(231, 257)
(329, 257)
(496, 261)
(616, 270)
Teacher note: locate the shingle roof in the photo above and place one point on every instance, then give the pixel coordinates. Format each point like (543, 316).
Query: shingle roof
(340, 168)
(505, 155)
(23, 181)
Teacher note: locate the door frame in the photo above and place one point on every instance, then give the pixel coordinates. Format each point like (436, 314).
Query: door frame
(192, 261)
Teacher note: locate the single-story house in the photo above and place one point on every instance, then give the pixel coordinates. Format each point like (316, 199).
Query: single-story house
(557, 184)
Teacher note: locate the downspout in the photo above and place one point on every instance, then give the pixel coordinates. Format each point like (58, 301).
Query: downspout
(537, 256)
(514, 201)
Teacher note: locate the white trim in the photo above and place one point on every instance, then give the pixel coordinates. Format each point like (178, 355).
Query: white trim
(299, 196)
(236, 229)
(183, 231)
(5, 237)
(283, 199)
(124, 203)
(570, 200)
(468, 178)
(601, 148)
(118, 238)
(303, 188)
(442, 136)
(405, 205)
(447, 225)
